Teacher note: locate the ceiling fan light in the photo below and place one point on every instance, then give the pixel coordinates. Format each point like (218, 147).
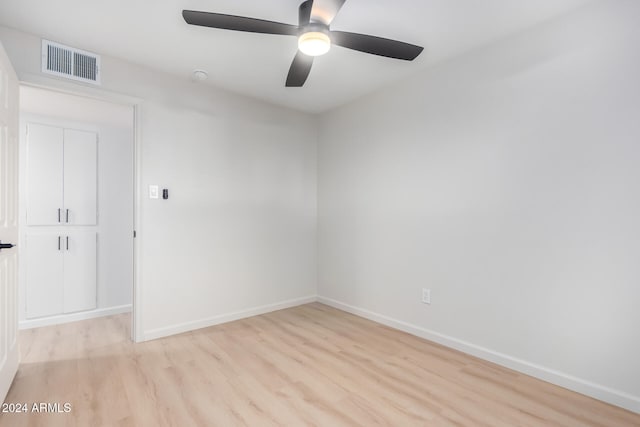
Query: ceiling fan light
(314, 43)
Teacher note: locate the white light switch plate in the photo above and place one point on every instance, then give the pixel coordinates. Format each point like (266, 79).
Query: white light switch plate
(153, 191)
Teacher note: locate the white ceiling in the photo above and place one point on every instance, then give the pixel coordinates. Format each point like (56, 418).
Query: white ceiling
(153, 33)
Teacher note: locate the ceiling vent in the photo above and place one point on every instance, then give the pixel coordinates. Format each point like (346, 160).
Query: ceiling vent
(71, 63)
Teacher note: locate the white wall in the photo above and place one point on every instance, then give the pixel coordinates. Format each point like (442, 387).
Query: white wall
(114, 125)
(507, 182)
(238, 233)
(238, 230)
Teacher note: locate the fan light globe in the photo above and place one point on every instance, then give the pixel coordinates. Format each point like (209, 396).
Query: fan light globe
(314, 43)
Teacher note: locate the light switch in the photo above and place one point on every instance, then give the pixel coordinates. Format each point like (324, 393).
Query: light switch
(153, 191)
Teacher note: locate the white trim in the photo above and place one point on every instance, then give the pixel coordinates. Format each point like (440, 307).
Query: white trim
(224, 318)
(597, 391)
(45, 82)
(71, 88)
(137, 328)
(73, 317)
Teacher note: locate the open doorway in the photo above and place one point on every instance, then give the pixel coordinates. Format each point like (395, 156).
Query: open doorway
(76, 205)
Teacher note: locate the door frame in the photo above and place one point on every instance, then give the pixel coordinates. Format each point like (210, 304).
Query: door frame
(137, 330)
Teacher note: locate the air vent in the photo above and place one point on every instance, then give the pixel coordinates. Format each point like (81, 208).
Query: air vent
(69, 62)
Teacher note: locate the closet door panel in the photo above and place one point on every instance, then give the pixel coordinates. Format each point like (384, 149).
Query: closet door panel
(44, 174)
(80, 271)
(80, 177)
(44, 275)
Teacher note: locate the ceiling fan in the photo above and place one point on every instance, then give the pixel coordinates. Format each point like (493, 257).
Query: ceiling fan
(313, 32)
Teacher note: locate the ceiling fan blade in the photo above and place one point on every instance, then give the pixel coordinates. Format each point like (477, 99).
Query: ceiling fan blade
(376, 45)
(324, 11)
(304, 13)
(238, 23)
(299, 70)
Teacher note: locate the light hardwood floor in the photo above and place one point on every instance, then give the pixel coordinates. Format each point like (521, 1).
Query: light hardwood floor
(309, 365)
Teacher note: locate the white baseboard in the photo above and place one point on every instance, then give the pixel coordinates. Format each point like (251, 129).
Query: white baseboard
(224, 318)
(73, 317)
(597, 391)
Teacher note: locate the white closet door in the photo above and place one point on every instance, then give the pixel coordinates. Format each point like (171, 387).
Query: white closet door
(80, 177)
(44, 275)
(79, 271)
(44, 174)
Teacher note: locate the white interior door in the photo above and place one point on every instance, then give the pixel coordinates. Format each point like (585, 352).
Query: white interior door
(9, 358)
(44, 174)
(80, 177)
(44, 275)
(80, 277)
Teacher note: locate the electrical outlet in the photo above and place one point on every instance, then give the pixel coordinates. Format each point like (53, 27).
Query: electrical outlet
(426, 296)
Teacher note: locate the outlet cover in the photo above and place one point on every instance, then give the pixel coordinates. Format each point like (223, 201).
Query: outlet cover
(426, 296)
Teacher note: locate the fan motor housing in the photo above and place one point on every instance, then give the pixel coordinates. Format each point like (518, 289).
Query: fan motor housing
(315, 28)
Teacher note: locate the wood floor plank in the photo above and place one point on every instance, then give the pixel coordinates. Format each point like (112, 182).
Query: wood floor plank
(306, 366)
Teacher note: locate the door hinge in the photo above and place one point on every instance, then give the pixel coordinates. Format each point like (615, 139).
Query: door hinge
(134, 234)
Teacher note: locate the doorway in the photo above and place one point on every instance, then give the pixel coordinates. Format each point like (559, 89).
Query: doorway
(76, 208)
